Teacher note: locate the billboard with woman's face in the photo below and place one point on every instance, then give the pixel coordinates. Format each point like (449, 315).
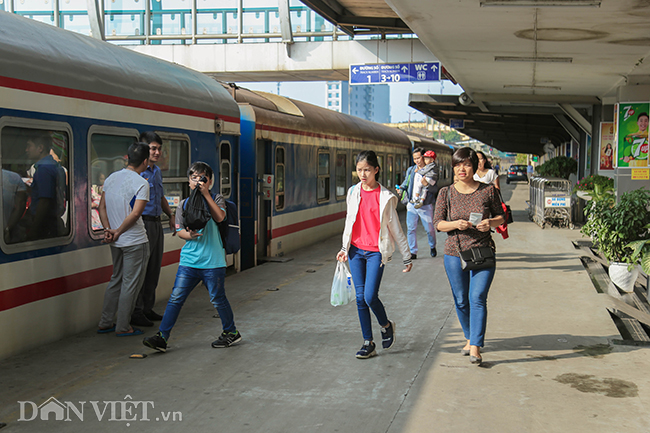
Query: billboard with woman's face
(632, 134)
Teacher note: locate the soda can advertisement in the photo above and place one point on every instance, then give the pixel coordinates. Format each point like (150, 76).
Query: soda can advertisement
(632, 134)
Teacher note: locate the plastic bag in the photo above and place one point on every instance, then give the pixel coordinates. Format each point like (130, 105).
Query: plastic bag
(195, 211)
(342, 287)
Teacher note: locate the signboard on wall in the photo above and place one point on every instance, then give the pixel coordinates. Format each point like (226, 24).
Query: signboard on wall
(384, 73)
(632, 134)
(607, 145)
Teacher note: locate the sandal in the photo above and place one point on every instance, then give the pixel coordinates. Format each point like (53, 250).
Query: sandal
(133, 333)
(106, 330)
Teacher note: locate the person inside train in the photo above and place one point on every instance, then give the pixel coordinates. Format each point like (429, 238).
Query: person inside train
(120, 208)
(203, 259)
(143, 315)
(485, 173)
(48, 185)
(14, 200)
(371, 225)
(424, 213)
(458, 204)
(96, 196)
(425, 177)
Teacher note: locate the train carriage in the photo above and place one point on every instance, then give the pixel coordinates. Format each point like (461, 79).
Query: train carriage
(92, 100)
(310, 152)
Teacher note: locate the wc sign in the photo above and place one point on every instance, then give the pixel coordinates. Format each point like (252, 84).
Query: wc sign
(127, 410)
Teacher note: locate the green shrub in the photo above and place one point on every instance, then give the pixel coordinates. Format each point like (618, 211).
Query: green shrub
(560, 166)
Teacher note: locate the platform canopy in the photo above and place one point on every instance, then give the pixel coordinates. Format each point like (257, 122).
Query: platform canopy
(535, 68)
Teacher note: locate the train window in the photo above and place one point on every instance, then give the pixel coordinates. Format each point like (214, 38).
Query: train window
(225, 171)
(107, 155)
(341, 175)
(382, 171)
(36, 183)
(389, 171)
(279, 178)
(323, 192)
(355, 176)
(398, 169)
(174, 162)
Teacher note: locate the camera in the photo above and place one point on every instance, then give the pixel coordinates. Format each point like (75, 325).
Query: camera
(203, 179)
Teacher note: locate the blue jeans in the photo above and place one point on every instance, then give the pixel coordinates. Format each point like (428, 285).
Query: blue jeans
(470, 290)
(425, 213)
(186, 280)
(367, 270)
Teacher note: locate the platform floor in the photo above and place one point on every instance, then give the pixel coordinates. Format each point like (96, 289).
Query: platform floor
(549, 362)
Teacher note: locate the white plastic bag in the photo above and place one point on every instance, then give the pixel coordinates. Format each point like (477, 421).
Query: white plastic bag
(342, 287)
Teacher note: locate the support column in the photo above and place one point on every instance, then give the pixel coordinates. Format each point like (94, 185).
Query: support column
(96, 19)
(285, 25)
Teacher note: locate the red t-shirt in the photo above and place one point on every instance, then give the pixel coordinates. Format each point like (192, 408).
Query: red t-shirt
(365, 232)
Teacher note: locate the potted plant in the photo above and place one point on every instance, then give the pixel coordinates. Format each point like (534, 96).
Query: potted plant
(586, 186)
(641, 252)
(560, 166)
(614, 226)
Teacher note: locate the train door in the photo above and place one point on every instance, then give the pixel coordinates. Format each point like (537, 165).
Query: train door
(264, 152)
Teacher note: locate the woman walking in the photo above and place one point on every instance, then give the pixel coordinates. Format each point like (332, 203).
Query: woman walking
(455, 207)
(485, 173)
(371, 227)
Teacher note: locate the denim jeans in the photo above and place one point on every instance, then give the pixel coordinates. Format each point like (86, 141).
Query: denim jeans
(470, 290)
(367, 270)
(186, 280)
(425, 213)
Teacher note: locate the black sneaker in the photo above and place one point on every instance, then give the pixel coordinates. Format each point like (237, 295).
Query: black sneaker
(414, 256)
(153, 316)
(388, 335)
(157, 342)
(367, 350)
(141, 320)
(434, 252)
(227, 339)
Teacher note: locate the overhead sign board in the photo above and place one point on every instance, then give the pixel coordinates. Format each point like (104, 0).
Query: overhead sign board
(385, 73)
(456, 123)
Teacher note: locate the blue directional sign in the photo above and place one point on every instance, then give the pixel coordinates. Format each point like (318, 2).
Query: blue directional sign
(385, 73)
(457, 123)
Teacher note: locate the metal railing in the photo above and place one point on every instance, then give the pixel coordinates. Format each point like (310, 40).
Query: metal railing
(195, 25)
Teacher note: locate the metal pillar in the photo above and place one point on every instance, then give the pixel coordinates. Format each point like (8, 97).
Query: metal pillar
(240, 25)
(285, 24)
(96, 19)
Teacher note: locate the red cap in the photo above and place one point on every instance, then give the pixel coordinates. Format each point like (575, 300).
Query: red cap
(430, 154)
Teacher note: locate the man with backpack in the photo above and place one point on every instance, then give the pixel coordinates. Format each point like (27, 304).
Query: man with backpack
(203, 258)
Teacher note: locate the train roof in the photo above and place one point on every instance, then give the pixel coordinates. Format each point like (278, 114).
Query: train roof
(290, 115)
(33, 52)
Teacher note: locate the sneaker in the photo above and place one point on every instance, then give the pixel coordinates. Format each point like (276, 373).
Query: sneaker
(153, 316)
(414, 256)
(227, 339)
(388, 335)
(141, 320)
(418, 205)
(434, 252)
(157, 342)
(367, 350)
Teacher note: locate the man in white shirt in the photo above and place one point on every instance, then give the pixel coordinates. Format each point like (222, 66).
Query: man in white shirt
(123, 200)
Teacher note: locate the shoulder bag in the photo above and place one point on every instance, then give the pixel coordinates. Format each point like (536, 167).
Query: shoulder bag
(476, 257)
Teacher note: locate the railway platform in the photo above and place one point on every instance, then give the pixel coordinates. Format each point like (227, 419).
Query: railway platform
(550, 364)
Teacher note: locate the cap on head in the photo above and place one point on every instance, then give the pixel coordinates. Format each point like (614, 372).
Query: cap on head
(430, 154)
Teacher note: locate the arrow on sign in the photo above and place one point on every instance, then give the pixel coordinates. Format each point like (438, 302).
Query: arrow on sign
(405, 69)
(354, 70)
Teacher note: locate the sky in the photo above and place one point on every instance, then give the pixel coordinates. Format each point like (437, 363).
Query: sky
(314, 92)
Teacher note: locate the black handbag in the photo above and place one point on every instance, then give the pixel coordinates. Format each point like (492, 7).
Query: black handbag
(476, 257)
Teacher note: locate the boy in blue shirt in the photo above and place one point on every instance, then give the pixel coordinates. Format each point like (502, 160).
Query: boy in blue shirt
(203, 258)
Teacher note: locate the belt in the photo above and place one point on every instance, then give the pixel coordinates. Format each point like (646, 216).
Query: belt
(150, 218)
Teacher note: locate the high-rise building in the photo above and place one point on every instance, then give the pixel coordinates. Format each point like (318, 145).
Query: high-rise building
(371, 102)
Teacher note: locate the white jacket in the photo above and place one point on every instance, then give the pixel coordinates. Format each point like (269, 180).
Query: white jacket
(390, 229)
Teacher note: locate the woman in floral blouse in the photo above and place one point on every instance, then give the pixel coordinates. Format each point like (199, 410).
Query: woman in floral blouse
(456, 205)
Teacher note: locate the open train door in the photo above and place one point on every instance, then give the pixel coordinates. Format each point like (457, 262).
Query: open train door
(264, 197)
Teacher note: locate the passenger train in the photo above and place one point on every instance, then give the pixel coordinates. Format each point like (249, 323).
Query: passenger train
(285, 163)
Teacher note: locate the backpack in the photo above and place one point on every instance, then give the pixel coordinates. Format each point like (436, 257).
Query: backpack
(229, 229)
(195, 211)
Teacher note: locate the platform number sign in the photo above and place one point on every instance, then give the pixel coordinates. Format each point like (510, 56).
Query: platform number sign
(267, 186)
(385, 73)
